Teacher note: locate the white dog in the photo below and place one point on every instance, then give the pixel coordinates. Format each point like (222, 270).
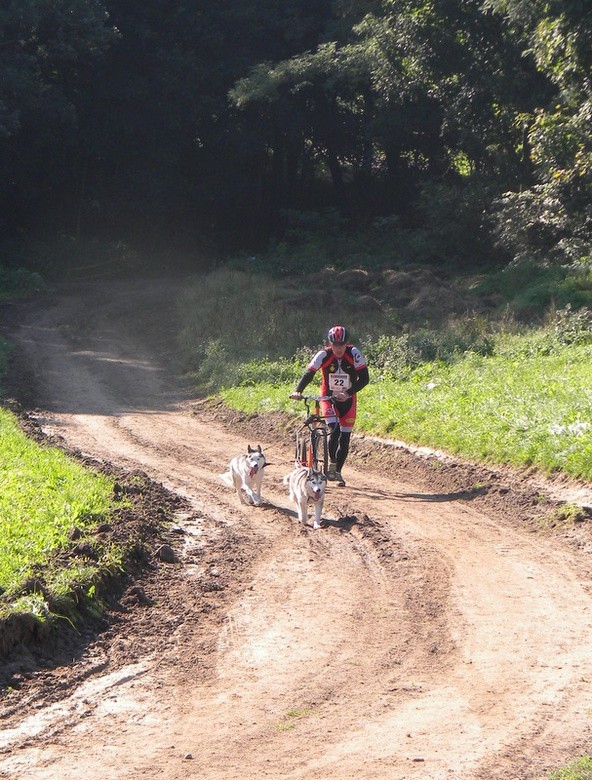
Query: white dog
(245, 474)
(306, 485)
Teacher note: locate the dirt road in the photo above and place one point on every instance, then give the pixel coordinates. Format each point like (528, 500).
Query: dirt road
(425, 632)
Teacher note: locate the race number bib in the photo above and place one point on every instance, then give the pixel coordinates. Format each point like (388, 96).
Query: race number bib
(339, 381)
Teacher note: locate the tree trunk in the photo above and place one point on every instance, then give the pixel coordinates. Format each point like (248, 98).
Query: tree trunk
(338, 183)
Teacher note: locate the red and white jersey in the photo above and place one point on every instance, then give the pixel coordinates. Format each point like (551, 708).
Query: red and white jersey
(338, 374)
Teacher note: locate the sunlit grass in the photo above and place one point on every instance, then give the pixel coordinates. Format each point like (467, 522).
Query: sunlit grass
(578, 770)
(43, 496)
(492, 391)
(510, 407)
(522, 411)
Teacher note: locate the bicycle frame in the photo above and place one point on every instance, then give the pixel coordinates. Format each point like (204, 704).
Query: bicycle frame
(312, 448)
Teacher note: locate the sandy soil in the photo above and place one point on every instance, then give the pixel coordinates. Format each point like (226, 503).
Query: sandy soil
(434, 628)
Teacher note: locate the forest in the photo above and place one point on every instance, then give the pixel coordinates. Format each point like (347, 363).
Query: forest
(457, 131)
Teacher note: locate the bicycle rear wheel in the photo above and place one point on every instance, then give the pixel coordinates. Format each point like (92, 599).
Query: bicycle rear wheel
(320, 450)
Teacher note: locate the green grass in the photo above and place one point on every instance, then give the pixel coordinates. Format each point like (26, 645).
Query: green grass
(521, 411)
(518, 406)
(43, 496)
(578, 770)
(529, 286)
(495, 391)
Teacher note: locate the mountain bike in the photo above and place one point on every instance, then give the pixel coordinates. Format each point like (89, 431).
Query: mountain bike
(312, 438)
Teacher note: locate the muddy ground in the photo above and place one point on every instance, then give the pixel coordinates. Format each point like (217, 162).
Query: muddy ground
(438, 626)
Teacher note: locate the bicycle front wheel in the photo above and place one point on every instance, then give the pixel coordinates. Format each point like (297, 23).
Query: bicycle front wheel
(320, 450)
(301, 454)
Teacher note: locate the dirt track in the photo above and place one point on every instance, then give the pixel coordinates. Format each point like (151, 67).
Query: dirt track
(422, 633)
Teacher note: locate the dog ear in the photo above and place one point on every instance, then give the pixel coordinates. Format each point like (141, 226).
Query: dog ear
(259, 449)
(249, 450)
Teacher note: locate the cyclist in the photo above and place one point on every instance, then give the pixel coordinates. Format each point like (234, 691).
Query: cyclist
(344, 373)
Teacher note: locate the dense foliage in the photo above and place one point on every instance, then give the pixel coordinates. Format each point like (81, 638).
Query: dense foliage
(462, 124)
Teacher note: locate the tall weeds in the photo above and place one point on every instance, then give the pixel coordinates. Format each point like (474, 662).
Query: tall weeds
(239, 323)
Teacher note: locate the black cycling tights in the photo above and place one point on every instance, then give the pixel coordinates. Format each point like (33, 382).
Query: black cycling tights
(338, 445)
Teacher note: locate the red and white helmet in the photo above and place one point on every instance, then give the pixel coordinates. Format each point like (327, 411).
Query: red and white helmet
(338, 335)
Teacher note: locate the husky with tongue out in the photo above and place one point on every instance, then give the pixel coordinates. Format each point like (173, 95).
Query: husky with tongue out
(245, 474)
(307, 485)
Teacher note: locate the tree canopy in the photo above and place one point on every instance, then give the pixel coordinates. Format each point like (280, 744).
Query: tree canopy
(176, 117)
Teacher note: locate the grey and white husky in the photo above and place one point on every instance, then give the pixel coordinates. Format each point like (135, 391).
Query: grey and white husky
(306, 484)
(245, 474)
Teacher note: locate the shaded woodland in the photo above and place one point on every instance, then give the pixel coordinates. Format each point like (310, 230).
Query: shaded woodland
(462, 128)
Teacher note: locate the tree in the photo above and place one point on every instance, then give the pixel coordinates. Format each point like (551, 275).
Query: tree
(413, 90)
(313, 111)
(559, 35)
(48, 49)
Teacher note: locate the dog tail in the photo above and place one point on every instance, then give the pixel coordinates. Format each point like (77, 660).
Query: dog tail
(227, 478)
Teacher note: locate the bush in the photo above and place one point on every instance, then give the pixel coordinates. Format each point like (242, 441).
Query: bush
(573, 327)
(389, 356)
(453, 215)
(544, 226)
(528, 225)
(397, 356)
(15, 282)
(531, 288)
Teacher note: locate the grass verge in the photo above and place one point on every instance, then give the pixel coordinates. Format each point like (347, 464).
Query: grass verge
(69, 533)
(517, 406)
(498, 391)
(44, 497)
(578, 770)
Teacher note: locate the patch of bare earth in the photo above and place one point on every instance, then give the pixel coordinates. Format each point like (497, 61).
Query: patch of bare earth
(434, 628)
